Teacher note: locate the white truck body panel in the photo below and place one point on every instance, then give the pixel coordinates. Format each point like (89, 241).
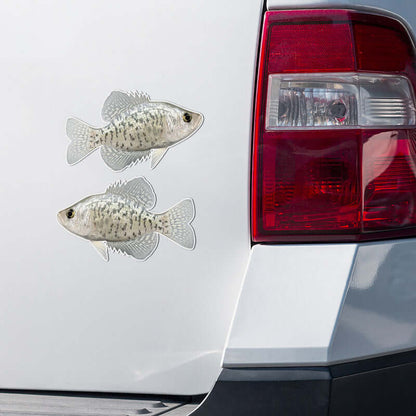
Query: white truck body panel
(305, 305)
(70, 321)
(289, 304)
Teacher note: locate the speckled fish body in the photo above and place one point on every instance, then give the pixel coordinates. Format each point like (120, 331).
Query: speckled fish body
(121, 219)
(114, 218)
(149, 126)
(137, 129)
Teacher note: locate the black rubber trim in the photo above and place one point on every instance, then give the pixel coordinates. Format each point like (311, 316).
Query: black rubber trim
(382, 386)
(376, 363)
(257, 397)
(186, 399)
(275, 374)
(389, 391)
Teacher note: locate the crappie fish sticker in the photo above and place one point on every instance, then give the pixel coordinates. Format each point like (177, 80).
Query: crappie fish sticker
(137, 129)
(122, 219)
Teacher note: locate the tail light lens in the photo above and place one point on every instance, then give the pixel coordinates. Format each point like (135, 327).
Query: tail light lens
(334, 151)
(338, 101)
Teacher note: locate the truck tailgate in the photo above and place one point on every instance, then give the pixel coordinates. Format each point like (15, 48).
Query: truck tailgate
(69, 320)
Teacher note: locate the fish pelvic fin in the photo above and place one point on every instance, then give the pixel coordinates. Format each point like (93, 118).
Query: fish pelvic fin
(157, 155)
(101, 248)
(179, 228)
(82, 138)
(119, 160)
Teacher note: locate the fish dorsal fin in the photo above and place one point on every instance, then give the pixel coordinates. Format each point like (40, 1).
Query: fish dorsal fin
(141, 248)
(101, 247)
(137, 190)
(119, 160)
(119, 102)
(157, 155)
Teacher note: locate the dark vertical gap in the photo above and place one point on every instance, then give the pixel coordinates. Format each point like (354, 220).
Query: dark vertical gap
(253, 111)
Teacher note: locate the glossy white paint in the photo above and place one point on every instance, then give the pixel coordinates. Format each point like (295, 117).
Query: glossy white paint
(321, 304)
(68, 320)
(289, 304)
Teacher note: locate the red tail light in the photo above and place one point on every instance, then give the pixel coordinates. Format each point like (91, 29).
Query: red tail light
(334, 151)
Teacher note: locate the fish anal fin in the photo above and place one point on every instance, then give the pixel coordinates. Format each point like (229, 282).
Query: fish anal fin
(141, 248)
(119, 102)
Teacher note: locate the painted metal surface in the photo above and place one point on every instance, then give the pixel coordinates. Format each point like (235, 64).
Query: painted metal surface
(68, 320)
(317, 304)
(289, 304)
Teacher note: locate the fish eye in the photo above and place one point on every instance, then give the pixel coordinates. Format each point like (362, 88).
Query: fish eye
(70, 213)
(186, 117)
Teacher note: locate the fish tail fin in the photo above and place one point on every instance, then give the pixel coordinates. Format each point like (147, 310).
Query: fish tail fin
(178, 220)
(82, 140)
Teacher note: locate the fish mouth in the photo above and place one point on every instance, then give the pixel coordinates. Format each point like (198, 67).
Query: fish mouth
(200, 121)
(60, 217)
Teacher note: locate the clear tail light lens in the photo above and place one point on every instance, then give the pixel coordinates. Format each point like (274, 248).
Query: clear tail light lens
(338, 100)
(334, 150)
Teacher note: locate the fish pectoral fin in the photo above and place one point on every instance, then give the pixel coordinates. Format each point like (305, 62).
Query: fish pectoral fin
(141, 248)
(138, 190)
(119, 160)
(102, 249)
(157, 155)
(119, 102)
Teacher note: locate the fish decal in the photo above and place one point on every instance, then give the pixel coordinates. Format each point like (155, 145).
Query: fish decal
(137, 129)
(121, 219)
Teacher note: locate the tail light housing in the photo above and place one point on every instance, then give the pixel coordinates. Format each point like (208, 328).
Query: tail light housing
(334, 148)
